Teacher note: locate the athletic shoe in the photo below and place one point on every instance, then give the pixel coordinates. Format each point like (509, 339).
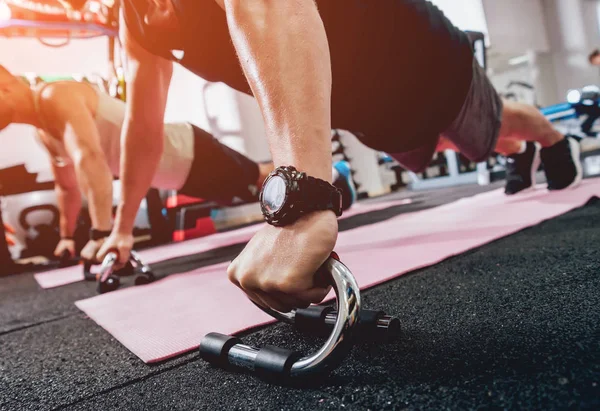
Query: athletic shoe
(521, 169)
(344, 182)
(562, 164)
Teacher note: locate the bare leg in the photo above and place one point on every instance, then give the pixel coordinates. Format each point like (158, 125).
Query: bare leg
(520, 122)
(508, 147)
(524, 122)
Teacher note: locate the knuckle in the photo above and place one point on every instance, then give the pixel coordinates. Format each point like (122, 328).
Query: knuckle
(245, 282)
(232, 271)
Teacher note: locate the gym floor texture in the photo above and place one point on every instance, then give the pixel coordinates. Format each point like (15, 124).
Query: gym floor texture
(510, 325)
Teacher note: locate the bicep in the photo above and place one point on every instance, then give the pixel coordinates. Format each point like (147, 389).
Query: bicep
(148, 79)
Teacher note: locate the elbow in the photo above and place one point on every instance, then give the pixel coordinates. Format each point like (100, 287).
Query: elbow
(90, 159)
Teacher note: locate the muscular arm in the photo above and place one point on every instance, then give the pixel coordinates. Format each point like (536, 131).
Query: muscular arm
(284, 52)
(68, 197)
(82, 143)
(148, 80)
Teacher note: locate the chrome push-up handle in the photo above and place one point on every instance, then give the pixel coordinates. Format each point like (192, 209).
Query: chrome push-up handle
(225, 350)
(108, 280)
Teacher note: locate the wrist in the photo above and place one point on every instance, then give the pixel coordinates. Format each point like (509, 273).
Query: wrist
(97, 235)
(316, 163)
(289, 194)
(124, 220)
(316, 167)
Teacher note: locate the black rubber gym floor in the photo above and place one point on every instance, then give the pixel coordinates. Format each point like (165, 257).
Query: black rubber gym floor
(511, 325)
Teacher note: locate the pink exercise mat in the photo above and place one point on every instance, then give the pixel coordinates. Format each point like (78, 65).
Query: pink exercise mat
(69, 275)
(196, 303)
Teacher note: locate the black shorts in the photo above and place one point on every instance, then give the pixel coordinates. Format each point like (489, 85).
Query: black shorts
(219, 173)
(474, 132)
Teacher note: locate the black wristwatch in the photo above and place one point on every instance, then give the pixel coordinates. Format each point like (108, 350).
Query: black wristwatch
(287, 194)
(96, 235)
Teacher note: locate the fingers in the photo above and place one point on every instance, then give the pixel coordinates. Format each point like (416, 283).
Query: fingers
(124, 253)
(89, 251)
(270, 271)
(104, 249)
(65, 245)
(278, 302)
(122, 249)
(314, 296)
(271, 294)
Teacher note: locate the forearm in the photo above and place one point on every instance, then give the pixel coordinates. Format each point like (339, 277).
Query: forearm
(284, 52)
(96, 178)
(136, 175)
(69, 205)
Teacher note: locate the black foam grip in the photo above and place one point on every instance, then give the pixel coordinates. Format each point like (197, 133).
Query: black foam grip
(273, 362)
(368, 318)
(215, 347)
(312, 319)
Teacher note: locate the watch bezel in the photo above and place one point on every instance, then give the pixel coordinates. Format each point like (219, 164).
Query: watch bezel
(288, 212)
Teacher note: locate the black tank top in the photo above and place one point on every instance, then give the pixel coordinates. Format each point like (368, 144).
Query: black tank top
(401, 70)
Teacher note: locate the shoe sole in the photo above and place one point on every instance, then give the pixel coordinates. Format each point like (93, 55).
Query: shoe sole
(576, 157)
(537, 161)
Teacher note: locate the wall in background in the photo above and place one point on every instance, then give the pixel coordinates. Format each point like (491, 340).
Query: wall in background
(464, 14)
(555, 35)
(573, 32)
(516, 26)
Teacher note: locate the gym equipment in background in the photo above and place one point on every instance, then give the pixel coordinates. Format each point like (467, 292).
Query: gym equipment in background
(52, 20)
(277, 363)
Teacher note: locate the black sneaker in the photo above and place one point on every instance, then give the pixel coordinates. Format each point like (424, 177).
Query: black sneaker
(562, 164)
(521, 169)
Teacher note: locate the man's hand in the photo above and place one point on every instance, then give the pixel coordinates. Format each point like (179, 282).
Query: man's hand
(122, 243)
(88, 253)
(282, 47)
(278, 266)
(65, 245)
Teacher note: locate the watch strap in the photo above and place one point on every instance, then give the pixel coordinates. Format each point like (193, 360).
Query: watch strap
(96, 235)
(320, 195)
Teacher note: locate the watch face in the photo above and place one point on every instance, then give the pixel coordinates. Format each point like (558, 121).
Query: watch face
(274, 194)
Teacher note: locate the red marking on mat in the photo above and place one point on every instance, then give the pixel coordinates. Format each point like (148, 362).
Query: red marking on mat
(193, 304)
(69, 275)
(181, 200)
(204, 226)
